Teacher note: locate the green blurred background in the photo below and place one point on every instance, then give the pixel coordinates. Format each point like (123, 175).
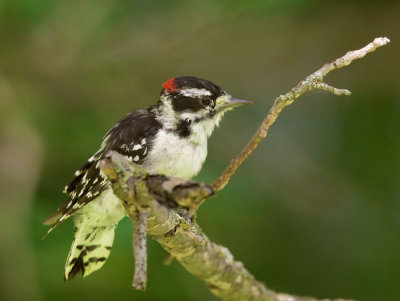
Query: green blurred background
(314, 211)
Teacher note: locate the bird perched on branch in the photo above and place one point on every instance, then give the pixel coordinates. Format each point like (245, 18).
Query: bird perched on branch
(167, 138)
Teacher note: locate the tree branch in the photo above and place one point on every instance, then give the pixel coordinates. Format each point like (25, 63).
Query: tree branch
(167, 205)
(313, 81)
(171, 225)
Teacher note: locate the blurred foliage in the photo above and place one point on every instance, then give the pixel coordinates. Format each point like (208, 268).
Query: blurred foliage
(314, 211)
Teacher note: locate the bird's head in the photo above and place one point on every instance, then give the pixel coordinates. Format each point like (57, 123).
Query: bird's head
(193, 106)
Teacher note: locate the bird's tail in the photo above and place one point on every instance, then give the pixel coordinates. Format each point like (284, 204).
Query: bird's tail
(90, 249)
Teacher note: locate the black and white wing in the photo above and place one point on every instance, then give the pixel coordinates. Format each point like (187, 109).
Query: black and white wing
(132, 136)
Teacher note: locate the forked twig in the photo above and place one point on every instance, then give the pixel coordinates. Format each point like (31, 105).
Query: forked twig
(313, 81)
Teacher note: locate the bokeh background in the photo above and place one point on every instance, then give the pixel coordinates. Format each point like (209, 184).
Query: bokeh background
(314, 211)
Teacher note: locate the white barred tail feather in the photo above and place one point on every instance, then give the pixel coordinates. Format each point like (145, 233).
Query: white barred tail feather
(90, 249)
(94, 234)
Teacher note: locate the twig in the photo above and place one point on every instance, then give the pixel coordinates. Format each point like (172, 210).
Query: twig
(313, 81)
(336, 91)
(128, 173)
(140, 250)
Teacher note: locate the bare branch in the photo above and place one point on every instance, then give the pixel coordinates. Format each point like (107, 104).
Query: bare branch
(351, 56)
(172, 226)
(139, 226)
(313, 81)
(336, 91)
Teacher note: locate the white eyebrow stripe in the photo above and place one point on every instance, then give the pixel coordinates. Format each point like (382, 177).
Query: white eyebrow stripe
(191, 92)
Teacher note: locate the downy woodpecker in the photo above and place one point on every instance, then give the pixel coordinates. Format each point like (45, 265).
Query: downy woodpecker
(167, 138)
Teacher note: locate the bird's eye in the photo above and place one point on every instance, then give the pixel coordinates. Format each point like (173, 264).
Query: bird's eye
(206, 101)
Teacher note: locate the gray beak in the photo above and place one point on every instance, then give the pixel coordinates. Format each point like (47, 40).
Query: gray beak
(226, 102)
(235, 102)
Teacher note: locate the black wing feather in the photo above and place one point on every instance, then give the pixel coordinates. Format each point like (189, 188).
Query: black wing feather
(131, 136)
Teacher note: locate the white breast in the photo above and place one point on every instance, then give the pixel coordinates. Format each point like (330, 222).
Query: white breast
(173, 156)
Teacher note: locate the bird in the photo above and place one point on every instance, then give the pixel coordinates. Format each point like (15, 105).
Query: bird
(167, 138)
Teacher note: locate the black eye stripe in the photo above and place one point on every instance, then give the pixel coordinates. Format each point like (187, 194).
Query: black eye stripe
(184, 103)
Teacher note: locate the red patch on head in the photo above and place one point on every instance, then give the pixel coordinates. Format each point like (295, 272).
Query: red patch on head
(169, 85)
